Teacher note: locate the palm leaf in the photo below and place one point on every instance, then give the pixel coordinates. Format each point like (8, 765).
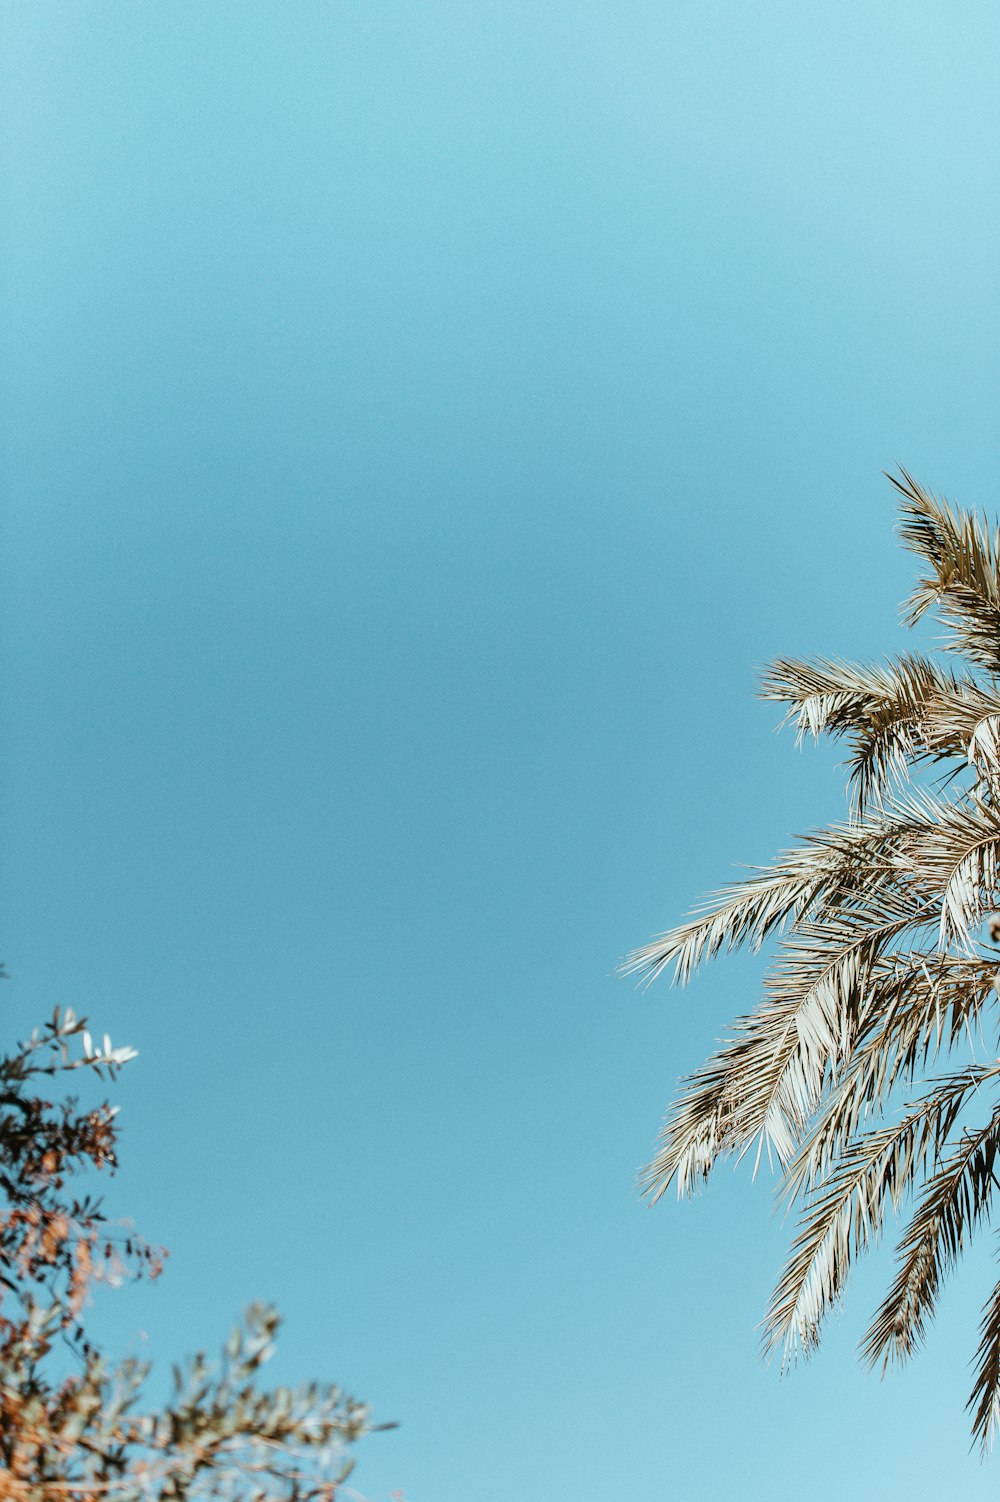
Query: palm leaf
(964, 582)
(845, 1216)
(954, 1202)
(918, 1008)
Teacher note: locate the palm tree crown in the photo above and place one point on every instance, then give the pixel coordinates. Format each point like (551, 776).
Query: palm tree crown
(855, 1070)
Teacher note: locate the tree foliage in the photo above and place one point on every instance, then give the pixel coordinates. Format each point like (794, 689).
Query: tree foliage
(73, 1424)
(862, 1070)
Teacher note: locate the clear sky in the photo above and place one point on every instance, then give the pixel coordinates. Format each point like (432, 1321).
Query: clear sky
(419, 423)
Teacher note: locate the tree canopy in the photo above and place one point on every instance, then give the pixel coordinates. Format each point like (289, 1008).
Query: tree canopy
(868, 1069)
(73, 1423)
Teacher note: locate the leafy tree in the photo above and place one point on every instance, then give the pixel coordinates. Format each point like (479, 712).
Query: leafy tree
(862, 1070)
(72, 1424)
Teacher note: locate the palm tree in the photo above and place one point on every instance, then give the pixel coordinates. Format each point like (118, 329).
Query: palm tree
(861, 1070)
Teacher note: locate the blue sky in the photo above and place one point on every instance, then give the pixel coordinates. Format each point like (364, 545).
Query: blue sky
(420, 422)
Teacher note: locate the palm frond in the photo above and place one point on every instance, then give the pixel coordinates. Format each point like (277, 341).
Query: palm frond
(880, 710)
(954, 1202)
(894, 716)
(918, 1007)
(816, 998)
(964, 585)
(984, 1400)
(845, 1216)
(828, 867)
(952, 849)
(767, 1081)
(745, 913)
(983, 749)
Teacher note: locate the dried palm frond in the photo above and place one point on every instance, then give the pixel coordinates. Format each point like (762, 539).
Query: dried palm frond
(953, 1204)
(847, 1212)
(894, 717)
(964, 583)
